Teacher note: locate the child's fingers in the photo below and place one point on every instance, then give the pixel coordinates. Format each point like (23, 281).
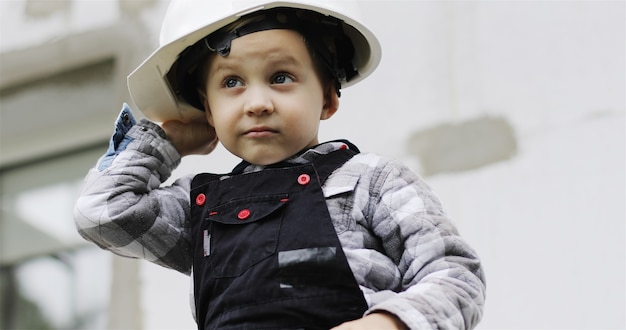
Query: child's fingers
(190, 138)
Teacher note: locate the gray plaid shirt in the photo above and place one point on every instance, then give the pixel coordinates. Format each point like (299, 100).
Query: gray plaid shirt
(404, 251)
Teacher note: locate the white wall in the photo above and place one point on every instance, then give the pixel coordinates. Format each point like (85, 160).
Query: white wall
(549, 223)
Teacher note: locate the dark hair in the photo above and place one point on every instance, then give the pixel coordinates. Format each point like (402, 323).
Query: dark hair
(330, 49)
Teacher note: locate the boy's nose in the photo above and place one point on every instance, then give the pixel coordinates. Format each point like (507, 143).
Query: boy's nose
(258, 102)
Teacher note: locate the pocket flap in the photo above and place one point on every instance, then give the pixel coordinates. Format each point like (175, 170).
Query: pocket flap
(341, 184)
(243, 211)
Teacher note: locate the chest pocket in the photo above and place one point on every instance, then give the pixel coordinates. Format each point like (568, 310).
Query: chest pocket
(340, 200)
(243, 232)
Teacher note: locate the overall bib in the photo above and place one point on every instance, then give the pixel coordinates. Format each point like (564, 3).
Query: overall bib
(266, 254)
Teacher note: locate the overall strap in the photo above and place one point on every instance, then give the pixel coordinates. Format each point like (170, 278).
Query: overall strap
(203, 178)
(325, 165)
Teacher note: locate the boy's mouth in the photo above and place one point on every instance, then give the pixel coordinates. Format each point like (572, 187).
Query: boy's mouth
(260, 131)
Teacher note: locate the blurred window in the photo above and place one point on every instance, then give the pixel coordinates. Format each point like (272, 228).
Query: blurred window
(51, 278)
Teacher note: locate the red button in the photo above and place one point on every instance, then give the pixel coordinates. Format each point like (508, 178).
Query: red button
(243, 214)
(200, 199)
(304, 179)
(343, 146)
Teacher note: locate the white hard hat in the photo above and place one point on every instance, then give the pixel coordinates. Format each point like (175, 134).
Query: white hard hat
(188, 21)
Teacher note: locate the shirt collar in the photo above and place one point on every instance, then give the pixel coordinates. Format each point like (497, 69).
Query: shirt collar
(303, 157)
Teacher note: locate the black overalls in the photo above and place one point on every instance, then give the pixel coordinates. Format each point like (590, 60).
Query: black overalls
(266, 254)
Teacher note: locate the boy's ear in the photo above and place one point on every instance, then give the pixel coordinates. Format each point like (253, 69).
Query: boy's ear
(205, 103)
(209, 116)
(331, 102)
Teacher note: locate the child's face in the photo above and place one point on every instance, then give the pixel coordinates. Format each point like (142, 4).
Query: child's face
(265, 98)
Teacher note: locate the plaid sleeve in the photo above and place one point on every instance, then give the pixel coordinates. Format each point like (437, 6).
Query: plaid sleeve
(122, 206)
(414, 264)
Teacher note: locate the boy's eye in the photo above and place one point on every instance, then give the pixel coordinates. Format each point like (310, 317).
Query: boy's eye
(232, 82)
(281, 78)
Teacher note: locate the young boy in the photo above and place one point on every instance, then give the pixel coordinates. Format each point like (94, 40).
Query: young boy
(300, 235)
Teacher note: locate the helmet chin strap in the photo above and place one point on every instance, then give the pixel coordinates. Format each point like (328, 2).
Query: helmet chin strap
(220, 43)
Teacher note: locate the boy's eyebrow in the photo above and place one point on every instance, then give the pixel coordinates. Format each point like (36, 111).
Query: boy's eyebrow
(274, 58)
(284, 59)
(221, 65)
